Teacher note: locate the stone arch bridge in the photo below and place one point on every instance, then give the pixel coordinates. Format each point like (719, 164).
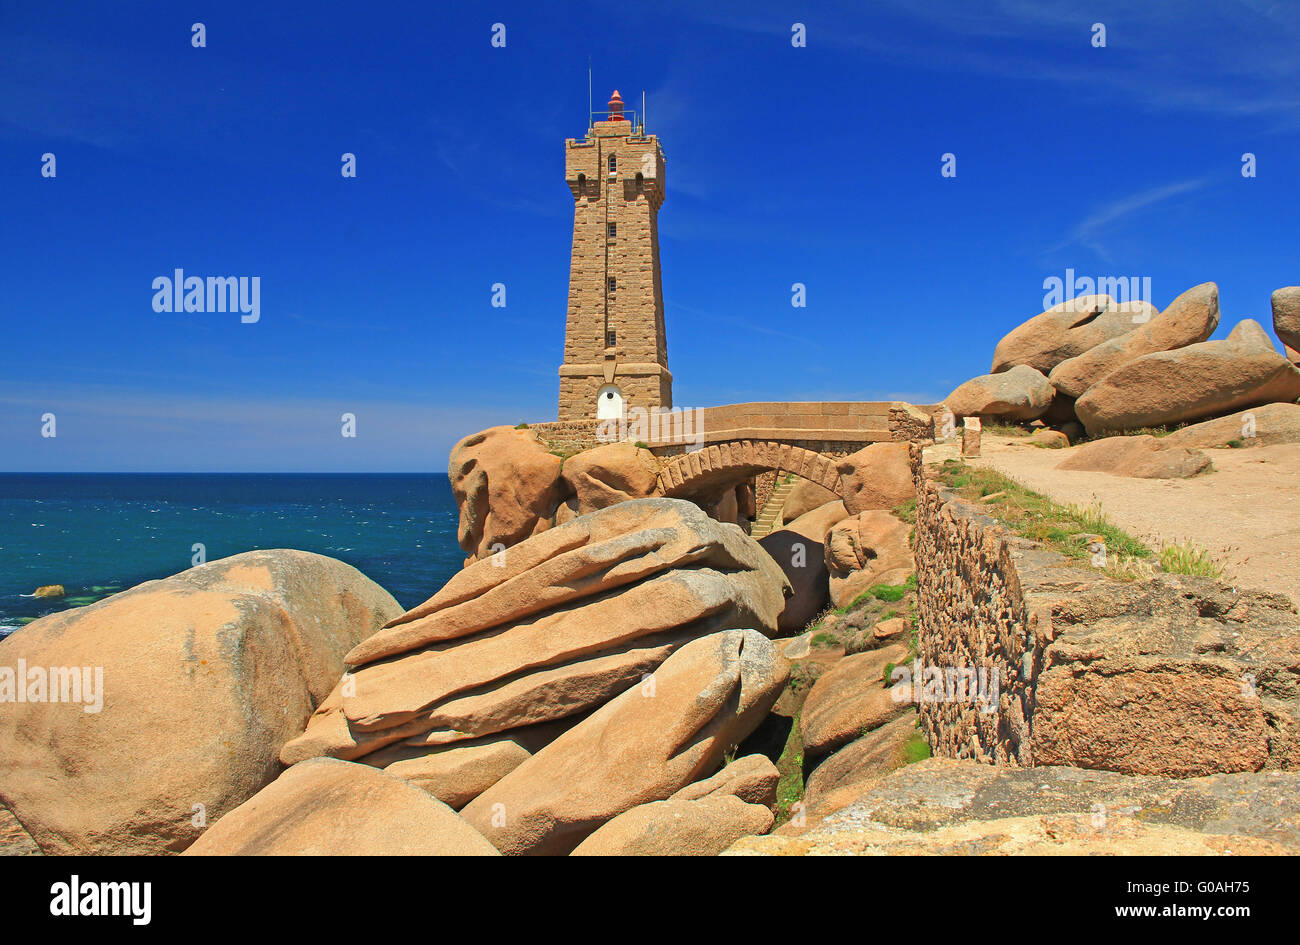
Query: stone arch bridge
(706, 451)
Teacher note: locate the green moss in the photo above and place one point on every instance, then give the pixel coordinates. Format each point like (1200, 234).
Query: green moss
(915, 749)
(906, 511)
(789, 789)
(521, 426)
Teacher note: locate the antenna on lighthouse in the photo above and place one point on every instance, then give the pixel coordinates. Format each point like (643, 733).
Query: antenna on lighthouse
(643, 111)
(589, 93)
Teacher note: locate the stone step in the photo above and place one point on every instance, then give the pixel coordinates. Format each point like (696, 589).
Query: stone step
(771, 512)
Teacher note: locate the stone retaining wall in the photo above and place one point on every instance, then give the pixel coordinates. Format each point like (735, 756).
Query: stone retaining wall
(1173, 676)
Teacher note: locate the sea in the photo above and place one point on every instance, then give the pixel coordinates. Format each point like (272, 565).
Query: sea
(101, 533)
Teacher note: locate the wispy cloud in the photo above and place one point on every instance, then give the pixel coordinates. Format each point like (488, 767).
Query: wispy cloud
(1156, 55)
(1090, 230)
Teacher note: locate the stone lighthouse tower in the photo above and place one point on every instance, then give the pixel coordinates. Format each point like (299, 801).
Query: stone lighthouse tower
(615, 350)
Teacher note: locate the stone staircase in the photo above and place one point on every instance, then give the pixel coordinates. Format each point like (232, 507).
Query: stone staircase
(771, 513)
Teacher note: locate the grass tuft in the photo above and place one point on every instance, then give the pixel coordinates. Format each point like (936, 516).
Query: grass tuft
(1188, 558)
(1038, 518)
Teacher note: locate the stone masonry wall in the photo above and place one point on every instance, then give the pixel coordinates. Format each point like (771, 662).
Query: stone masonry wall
(614, 278)
(1173, 675)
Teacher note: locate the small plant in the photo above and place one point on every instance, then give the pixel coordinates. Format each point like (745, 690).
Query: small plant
(521, 426)
(907, 511)
(915, 749)
(1188, 558)
(1005, 429)
(1236, 444)
(641, 445)
(824, 639)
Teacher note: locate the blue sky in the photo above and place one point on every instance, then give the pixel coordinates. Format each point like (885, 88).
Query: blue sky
(818, 165)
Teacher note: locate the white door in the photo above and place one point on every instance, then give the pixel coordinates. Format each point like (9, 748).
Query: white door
(609, 403)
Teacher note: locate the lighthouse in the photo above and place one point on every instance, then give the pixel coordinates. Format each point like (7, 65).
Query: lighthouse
(615, 348)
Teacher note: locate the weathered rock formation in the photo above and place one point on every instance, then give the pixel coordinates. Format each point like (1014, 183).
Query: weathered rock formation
(609, 474)
(942, 807)
(1191, 383)
(753, 779)
(850, 699)
(846, 775)
(1258, 426)
(866, 549)
(879, 476)
(1286, 315)
(643, 746)
(702, 819)
(1140, 457)
(336, 808)
(799, 549)
(803, 497)
(1066, 331)
(678, 828)
(1018, 393)
(557, 626)
(203, 677)
(1190, 319)
(507, 486)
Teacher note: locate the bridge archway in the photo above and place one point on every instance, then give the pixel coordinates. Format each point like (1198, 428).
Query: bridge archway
(714, 469)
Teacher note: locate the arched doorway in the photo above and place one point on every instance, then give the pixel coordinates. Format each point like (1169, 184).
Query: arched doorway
(609, 403)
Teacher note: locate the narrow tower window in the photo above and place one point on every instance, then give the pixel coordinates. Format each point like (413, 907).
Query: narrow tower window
(613, 230)
(582, 185)
(610, 339)
(613, 284)
(613, 163)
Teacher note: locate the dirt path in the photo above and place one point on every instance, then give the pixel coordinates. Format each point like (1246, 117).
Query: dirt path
(1246, 512)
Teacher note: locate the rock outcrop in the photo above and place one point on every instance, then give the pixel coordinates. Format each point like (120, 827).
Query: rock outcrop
(336, 808)
(1018, 393)
(1066, 331)
(557, 626)
(1190, 319)
(1286, 315)
(643, 746)
(753, 779)
(866, 549)
(941, 807)
(203, 677)
(609, 474)
(799, 549)
(1259, 426)
(678, 828)
(507, 486)
(803, 497)
(1198, 381)
(850, 699)
(845, 776)
(878, 476)
(1139, 457)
